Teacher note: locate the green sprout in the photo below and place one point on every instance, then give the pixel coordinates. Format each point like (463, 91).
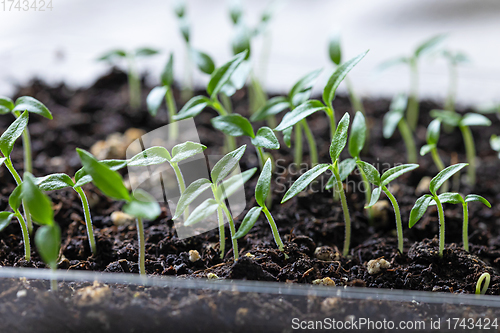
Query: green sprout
(395, 118)
(454, 59)
(140, 204)
(412, 61)
(236, 125)
(382, 181)
(224, 80)
(222, 188)
(338, 144)
(486, 277)
(495, 144)
(262, 190)
(432, 138)
(453, 119)
(134, 80)
(424, 201)
(456, 198)
(335, 53)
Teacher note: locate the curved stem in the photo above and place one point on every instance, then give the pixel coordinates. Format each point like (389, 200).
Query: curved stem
(413, 105)
(298, 145)
(465, 228)
(26, 236)
(173, 129)
(17, 178)
(345, 210)
(407, 135)
(182, 185)
(368, 192)
(274, 229)
(470, 151)
(88, 218)
(441, 225)
(226, 101)
(232, 229)
(313, 150)
(399, 223)
(222, 237)
(440, 165)
(142, 246)
(261, 157)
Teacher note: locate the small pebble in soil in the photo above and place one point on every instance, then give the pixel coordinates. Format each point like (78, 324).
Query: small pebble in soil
(22, 293)
(120, 218)
(249, 255)
(212, 276)
(194, 255)
(326, 253)
(325, 282)
(376, 265)
(423, 185)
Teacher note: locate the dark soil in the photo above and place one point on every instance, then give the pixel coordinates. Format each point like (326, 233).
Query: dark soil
(311, 220)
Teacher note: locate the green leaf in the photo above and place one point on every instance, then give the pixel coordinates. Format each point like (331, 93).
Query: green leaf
(371, 172)
(474, 119)
(432, 136)
(108, 181)
(393, 62)
(167, 75)
(395, 172)
(6, 105)
(222, 75)
(304, 180)
(143, 205)
(203, 61)
(203, 211)
(426, 149)
(429, 45)
(477, 198)
(358, 135)
(375, 197)
(339, 139)
(448, 117)
(287, 136)
(235, 11)
(395, 114)
(48, 243)
(151, 156)
(145, 52)
(334, 49)
(226, 164)
(109, 56)
(266, 138)
(193, 107)
(345, 169)
(248, 222)
(12, 133)
(419, 209)
(301, 91)
(155, 98)
(38, 203)
(27, 103)
(238, 79)
(450, 198)
(241, 40)
(229, 186)
(300, 112)
(338, 76)
(82, 178)
(233, 125)
(495, 143)
(192, 192)
(444, 175)
(185, 150)
(272, 107)
(184, 28)
(5, 218)
(179, 8)
(54, 182)
(264, 184)
(16, 197)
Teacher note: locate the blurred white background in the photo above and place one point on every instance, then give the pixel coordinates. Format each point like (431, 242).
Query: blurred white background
(62, 44)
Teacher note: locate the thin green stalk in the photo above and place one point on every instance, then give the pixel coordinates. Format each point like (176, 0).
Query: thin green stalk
(256, 95)
(222, 237)
(345, 210)
(17, 178)
(440, 165)
(399, 223)
(407, 135)
(368, 193)
(333, 124)
(441, 225)
(230, 143)
(88, 218)
(298, 145)
(452, 88)
(356, 103)
(182, 185)
(53, 282)
(413, 104)
(470, 152)
(173, 129)
(26, 236)
(465, 227)
(134, 84)
(142, 246)
(187, 87)
(226, 102)
(232, 229)
(274, 228)
(261, 157)
(313, 150)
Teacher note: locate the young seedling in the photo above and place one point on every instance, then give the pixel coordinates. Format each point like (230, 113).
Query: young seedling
(424, 201)
(395, 118)
(432, 138)
(222, 188)
(454, 59)
(463, 123)
(134, 80)
(222, 80)
(262, 190)
(236, 125)
(495, 144)
(425, 48)
(140, 204)
(338, 143)
(335, 53)
(382, 182)
(456, 198)
(486, 277)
